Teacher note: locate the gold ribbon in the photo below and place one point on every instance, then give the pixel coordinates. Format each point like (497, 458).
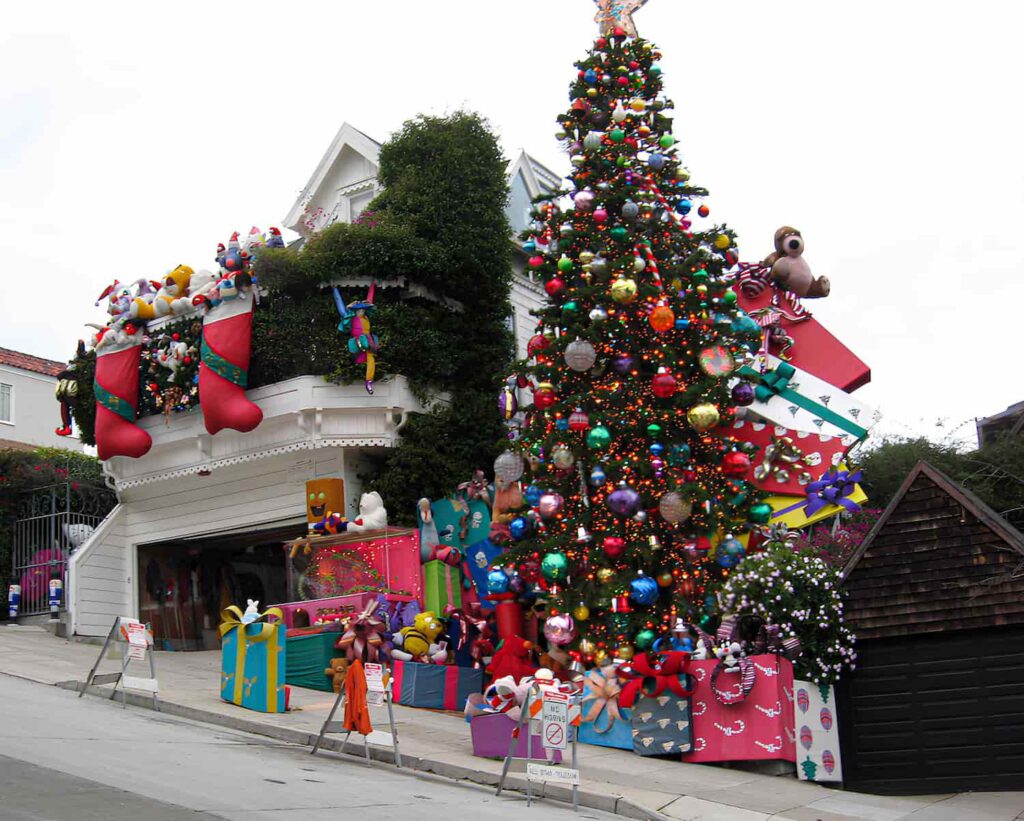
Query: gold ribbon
(231, 617)
(603, 695)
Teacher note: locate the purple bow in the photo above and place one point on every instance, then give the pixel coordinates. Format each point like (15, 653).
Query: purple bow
(832, 489)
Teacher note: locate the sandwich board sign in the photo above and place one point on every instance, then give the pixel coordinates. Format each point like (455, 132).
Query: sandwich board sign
(137, 641)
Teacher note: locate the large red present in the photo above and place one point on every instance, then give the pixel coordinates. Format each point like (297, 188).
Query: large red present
(799, 338)
(737, 724)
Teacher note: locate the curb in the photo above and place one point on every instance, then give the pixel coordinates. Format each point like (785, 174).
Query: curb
(591, 799)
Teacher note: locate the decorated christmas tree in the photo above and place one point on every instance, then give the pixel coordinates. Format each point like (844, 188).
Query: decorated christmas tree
(638, 497)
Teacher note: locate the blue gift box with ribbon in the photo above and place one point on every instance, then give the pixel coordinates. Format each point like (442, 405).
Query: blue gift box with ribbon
(253, 661)
(604, 723)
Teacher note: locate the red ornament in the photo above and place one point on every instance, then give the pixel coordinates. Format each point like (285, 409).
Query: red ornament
(579, 420)
(735, 464)
(619, 31)
(620, 604)
(703, 210)
(536, 261)
(731, 257)
(664, 385)
(554, 286)
(537, 343)
(600, 42)
(703, 544)
(662, 319)
(613, 546)
(689, 476)
(544, 396)
(633, 64)
(623, 81)
(175, 337)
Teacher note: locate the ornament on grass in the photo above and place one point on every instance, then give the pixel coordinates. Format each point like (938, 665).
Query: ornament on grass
(497, 581)
(624, 290)
(643, 590)
(550, 505)
(613, 546)
(717, 361)
(674, 508)
(560, 629)
(580, 355)
(624, 501)
(703, 417)
(598, 438)
(555, 567)
(664, 384)
(509, 467)
(662, 319)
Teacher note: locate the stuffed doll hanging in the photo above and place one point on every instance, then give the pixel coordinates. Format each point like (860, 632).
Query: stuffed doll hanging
(355, 320)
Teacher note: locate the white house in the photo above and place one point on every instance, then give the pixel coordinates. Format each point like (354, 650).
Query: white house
(201, 519)
(29, 411)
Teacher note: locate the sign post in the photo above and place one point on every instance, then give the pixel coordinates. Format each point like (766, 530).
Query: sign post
(138, 641)
(377, 693)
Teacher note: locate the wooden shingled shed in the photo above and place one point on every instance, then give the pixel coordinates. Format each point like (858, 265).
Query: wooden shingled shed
(936, 598)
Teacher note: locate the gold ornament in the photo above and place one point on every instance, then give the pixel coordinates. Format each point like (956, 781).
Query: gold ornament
(703, 417)
(581, 613)
(624, 290)
(722, 242)
(601, 657)
(587, 647)
(625, 651)
(605, 575)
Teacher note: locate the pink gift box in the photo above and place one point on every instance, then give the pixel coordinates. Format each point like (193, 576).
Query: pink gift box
(758, 727)
(492, 734)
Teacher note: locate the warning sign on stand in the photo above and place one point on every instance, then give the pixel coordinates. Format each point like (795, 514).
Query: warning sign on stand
(374, 684)
(554, 720)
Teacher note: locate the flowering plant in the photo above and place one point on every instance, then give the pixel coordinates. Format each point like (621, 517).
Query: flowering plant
(798, 591)
(837, 544)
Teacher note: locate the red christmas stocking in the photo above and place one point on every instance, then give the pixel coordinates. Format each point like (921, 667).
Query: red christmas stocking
(117, 397)
(224, 368)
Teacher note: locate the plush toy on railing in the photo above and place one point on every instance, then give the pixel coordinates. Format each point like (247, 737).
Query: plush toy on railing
(419, 642)
(789, 268)
(372, 514)
(355, 321)
(169, 299)
(331, 524)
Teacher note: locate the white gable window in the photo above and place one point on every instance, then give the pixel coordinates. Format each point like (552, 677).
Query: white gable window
(6, 403)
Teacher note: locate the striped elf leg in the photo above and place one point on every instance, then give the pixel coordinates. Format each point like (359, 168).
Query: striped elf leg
(224, 367)
(117, 396)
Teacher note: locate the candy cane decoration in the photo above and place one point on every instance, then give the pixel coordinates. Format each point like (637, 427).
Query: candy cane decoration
(771, 748)
(734, 729)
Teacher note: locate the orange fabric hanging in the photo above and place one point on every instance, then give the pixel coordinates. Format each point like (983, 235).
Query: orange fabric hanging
(357, 714)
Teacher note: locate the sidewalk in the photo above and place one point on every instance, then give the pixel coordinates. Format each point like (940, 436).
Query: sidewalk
(613, 780)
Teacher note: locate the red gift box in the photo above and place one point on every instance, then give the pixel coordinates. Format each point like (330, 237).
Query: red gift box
(756, 727)
(819, 454)
(813, 348)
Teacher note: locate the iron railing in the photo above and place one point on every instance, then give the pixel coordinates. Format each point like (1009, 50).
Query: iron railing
(52, 522)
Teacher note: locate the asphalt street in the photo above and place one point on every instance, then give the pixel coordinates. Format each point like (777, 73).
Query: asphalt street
(68, 759)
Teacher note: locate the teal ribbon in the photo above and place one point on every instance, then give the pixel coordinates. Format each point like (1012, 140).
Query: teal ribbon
(220, 366)
(776, 383)
(113, 403)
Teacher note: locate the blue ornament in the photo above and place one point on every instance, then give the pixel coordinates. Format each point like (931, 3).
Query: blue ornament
(562, 424)
(684, 206)
(682, 324)
(590, 76)
(745, 325)
(597, 477)
(657, 449)
(519, 528)
(532, 495)
(679, 455)
(710, 603)
(730, 552)
(497, 581)
(657, 161)
(643, 590)
(529, 246)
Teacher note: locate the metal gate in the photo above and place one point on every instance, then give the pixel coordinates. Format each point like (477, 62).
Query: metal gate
(52, 522)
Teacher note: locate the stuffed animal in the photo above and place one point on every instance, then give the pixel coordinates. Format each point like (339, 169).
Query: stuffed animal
(173, 287)
(512, 659)
(199, 284)
(372, 514)
(331, 523)
(419, 642)
(175, 354)
(336, 673)
(791, 270)
(701, 652)
(730, 655)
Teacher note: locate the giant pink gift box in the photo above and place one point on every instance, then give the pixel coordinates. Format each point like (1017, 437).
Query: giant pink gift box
(758, 727)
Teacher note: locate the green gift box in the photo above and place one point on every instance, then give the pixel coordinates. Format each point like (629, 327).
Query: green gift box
(441, 587)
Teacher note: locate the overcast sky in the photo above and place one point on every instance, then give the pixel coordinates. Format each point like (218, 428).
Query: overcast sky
(135, 136)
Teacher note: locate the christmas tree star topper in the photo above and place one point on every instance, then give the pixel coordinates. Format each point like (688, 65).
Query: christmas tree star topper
(612, 14)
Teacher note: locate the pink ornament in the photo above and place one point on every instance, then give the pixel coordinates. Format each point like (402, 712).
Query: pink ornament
(584, 200)
(560, 629)
(550, 505)
(600, 215)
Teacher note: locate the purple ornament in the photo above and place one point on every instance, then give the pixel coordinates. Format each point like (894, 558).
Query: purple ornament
(508, 404)
(517, 585)
(584, 200)
(550, 505)
(624, 502)
(743, 394)
(622, 364)
(560, 630)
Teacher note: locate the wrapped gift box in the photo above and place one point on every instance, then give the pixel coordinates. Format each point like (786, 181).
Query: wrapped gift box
(833, 493)
(605, 723)
(756, 727)
(308, 655)
(492, 736)
(657, 689)
(441, 587)
(817, 732)
(797, 400)
(817, 454)
(253, 663)
(479, 558)
(448, 519)
(814, 349)
(435, 686)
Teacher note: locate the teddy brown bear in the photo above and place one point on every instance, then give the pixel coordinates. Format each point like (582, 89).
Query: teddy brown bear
(336, 672)
(790, 270)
